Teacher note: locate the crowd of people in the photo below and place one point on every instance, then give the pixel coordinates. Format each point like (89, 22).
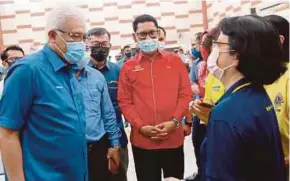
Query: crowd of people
(62, 108)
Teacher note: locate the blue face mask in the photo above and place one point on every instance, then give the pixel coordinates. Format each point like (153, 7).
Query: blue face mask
(195, 53)
(75, 51)
(82, 64)
(148, 45)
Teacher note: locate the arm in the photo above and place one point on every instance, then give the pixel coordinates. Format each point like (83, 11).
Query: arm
(125, 99)
(14, 106)
(184, 93)
(109, 117)
(11, 154)
(222, 146)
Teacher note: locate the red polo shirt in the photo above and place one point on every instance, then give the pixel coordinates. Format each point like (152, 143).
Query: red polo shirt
(152, 90)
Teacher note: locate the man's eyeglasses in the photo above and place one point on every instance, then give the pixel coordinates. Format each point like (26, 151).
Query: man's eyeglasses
(74, 35)
(144, 34)
(103, 44)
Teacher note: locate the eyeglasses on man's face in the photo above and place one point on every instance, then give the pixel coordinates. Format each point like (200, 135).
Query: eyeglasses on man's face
(76, 36)
(104, 44)
(143, 34)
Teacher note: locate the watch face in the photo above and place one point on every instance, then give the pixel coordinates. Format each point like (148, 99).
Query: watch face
(176, 122)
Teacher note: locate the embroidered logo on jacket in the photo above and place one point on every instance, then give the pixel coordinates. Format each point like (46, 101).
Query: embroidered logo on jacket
(278, 101)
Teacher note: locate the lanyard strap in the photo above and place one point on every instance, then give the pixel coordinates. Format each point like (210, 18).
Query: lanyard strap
(240, 87)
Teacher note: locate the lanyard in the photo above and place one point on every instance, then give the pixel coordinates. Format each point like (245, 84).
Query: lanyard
(240, 87)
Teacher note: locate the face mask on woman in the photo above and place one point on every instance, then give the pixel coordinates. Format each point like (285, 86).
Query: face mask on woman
(212, 64)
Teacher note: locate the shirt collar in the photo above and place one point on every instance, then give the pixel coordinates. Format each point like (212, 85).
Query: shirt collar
(232, 88)
(106, 67)
(54, 59)
(141, 55)
(85, 72)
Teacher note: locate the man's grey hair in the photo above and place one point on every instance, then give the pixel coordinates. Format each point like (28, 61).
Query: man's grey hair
(57, 17)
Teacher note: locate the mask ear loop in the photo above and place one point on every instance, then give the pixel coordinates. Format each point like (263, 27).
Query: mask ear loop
(227, 67)
(63, 54)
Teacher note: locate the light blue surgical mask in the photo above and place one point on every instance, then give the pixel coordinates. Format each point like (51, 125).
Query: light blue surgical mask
(148, 45)
(82, 64)
(75, 51)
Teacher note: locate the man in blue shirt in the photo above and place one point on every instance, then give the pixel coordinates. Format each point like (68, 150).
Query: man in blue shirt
(127, 54)
(99, 42)
(42, 120)
(102, 130)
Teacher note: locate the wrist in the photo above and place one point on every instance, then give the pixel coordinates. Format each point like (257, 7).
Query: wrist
(175, 122)
(116, 148)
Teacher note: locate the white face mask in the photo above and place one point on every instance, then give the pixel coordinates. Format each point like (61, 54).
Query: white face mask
(212, 64)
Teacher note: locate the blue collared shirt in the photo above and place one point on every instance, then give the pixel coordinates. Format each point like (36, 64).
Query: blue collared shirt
(111, 73)
(42, 100)
(100, 114)
(242, 140)
(194, 70)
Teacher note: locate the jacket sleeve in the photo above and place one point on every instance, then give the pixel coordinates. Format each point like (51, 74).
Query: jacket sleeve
(184, 92)
(125, 99)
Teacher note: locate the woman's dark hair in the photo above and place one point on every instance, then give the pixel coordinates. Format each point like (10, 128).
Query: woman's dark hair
(257, 45)
(282, 25)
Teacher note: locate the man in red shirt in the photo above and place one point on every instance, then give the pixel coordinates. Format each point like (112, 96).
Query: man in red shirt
(154, 93)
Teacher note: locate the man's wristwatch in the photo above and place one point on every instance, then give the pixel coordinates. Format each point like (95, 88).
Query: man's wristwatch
(176, 123)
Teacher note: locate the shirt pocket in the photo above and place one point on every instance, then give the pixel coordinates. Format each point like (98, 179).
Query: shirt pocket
(95, 95)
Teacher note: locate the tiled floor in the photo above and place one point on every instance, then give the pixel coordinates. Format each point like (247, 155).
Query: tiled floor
(190, 165)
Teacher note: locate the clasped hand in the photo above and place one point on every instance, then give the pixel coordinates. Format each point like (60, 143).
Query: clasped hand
(159, 132)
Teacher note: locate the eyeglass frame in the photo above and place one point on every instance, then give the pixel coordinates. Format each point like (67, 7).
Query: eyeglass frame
(148, 34)
(216, 43)
(100, 44)
(71, 34)
(12, 58)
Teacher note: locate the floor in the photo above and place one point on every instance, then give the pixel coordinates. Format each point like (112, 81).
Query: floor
(190, 165)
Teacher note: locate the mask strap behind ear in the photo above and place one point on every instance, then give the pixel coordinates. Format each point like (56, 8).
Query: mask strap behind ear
(60, 37)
